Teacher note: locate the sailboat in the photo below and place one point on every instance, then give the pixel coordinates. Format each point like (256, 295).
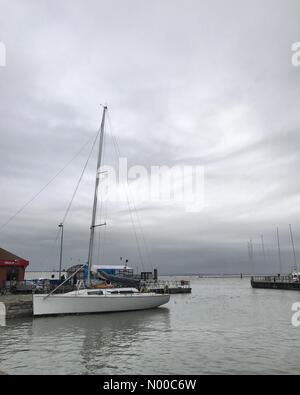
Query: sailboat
(89, 300)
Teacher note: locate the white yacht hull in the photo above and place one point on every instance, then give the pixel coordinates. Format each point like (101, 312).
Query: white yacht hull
(87, 304)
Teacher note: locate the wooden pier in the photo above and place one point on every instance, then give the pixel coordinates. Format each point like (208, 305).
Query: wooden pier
(275, 282)
(172, 290)
(170, 287)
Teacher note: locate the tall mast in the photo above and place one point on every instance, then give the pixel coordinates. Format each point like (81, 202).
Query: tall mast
(250, 259)
(294, 251)
(279, 252)
(61, 226)
(263, 248)
(251, 256)
(93, 225)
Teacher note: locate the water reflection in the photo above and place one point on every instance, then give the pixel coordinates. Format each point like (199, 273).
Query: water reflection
(91, 343)
(107, 322)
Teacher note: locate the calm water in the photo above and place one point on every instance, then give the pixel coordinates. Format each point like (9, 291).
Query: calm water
(223, 327)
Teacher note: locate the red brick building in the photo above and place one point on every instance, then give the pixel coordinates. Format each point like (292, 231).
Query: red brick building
(12, 267)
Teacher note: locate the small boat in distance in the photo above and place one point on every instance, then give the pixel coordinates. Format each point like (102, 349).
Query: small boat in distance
(89, 300)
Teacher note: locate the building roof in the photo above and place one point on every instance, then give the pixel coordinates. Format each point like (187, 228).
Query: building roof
(8, 256)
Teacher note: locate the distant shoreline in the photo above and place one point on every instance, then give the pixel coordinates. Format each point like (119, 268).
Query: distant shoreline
(201, 275)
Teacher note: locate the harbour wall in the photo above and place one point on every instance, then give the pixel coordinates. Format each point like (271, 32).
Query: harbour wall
(15, 306)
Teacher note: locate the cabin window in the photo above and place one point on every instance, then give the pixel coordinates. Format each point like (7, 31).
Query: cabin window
(126, 292)
(95, 293)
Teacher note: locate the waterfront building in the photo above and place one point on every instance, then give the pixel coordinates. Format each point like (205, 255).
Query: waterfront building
(12, 268)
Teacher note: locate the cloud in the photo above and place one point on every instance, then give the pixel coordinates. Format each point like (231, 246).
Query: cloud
(208, 84)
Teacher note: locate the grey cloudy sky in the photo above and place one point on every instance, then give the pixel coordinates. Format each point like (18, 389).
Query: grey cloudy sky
(206, 83)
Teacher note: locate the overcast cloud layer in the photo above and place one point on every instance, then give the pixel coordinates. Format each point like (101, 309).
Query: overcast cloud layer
(207, 83)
